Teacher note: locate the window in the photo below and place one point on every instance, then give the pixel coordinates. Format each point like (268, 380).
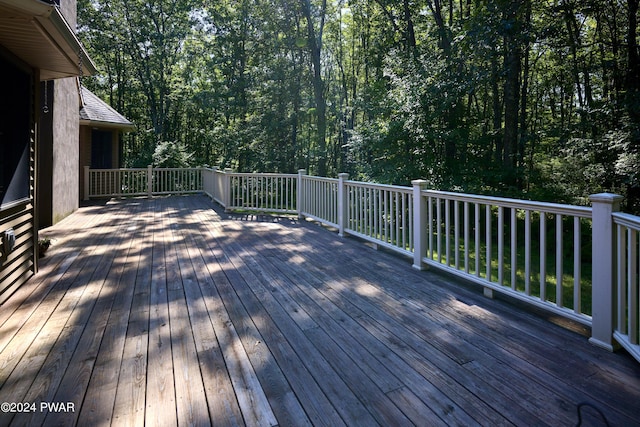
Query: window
(101, 149)
(15, 130)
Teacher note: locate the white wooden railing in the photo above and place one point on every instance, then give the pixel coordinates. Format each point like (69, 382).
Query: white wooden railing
(382, 214)
(176, 181)
(627, 287)
(319, 199)
(213, 184)
(532, 251)
(115, 182)
(267, 192)
(262, 192)
(139, 182)
(511, 246)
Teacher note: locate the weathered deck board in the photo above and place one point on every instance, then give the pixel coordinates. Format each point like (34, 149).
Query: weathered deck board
(283, 392)
(129, 404)
(169, 312)
(161, 403)
(204, 328)
(377, 322)
(488, 372)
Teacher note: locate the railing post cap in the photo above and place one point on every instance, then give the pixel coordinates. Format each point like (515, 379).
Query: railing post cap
(609, 198)
(343, 175)
(420, 182)
(302, 171)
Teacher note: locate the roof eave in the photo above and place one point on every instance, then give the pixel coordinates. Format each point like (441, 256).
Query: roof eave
(70, 43)
(38, 34)
(32, 7)
(108, 125)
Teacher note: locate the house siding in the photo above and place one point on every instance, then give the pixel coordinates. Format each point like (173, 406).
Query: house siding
(54, 170)
(20, 264)
(65, 193)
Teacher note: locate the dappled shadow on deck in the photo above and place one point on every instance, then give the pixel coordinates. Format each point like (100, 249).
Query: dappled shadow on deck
(168, 311)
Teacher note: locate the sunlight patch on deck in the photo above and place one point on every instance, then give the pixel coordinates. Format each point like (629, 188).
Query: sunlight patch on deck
(367, 290)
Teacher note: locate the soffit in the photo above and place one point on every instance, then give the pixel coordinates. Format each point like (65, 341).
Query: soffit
(38, 34)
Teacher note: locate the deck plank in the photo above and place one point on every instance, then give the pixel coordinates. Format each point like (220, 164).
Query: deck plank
(129, 404)
(168, 311)
(335, 388)
(58, 328)
(74, 383)
(190, 396)
(161, 403)
(80, 338)
(367, 378)
(98, 405)
(353, 296)
(543, 379)
(288, 392)
(530, 380)
(214, 333)
(489, 374)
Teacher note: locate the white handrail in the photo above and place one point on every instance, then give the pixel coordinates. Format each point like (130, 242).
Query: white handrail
(261, 192)
(553, 208)
(319, 199)
(504, 244)
(128, 182)
(382, 214)
(627, 322)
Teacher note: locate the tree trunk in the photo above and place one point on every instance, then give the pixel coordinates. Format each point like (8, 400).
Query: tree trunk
(411, 35)
(512, 69)
(511, 107)
(524, 99)
(632, 80)
(496, 107)
(315, 46)
(454, 113)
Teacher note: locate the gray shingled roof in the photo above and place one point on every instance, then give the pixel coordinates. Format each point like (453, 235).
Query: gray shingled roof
(96, 112)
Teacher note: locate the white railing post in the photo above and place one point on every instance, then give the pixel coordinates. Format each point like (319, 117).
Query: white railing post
(342, 203)
(86, 183)
(603, 253)
(214, 183)
(299, 191)
(150, 181)
(419, 224)
(226, 197)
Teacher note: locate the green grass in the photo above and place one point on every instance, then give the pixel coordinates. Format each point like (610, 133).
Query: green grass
(535, 254)
(567, 282)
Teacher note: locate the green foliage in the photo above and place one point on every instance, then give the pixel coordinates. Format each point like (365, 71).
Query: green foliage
(171, 154)
(402, 90)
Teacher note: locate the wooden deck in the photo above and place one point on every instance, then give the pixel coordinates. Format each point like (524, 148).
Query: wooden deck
(168, 312)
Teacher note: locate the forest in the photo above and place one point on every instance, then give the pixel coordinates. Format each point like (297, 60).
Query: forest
(522, 98)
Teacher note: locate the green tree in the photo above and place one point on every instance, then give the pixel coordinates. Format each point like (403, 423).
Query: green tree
(518, 98)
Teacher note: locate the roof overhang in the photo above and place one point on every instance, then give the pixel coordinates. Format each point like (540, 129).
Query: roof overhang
(38, 34)
(108, 125)
(96, 113)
